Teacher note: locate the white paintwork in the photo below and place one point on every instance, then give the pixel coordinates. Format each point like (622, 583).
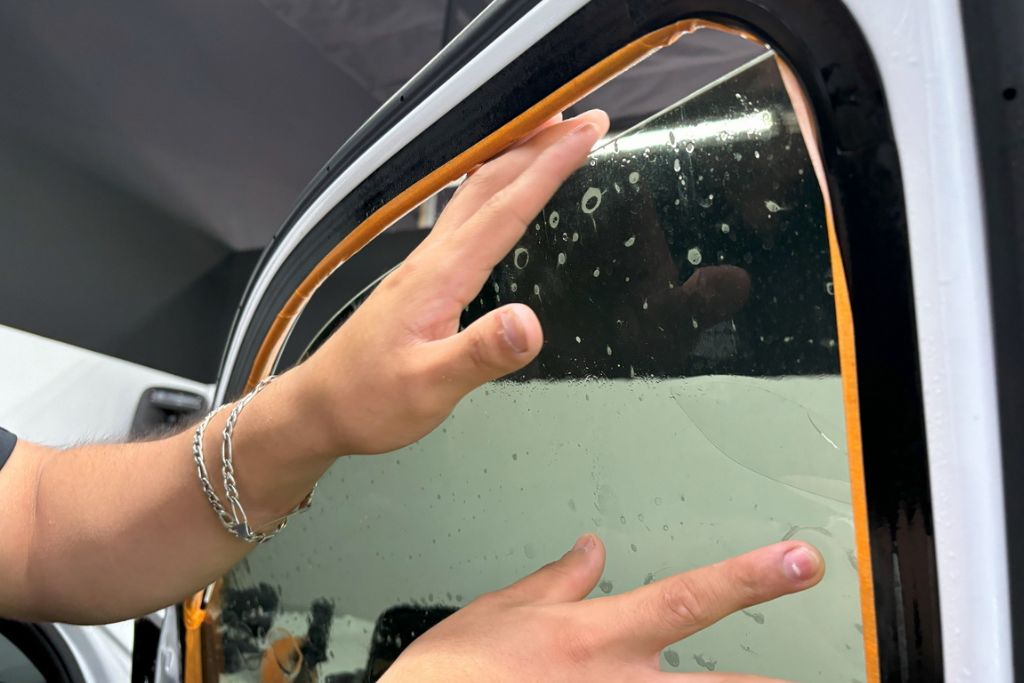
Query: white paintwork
(58, 394)
(103, 653)
(919, 48)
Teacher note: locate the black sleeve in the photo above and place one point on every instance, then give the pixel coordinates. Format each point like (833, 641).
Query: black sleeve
(7, 441)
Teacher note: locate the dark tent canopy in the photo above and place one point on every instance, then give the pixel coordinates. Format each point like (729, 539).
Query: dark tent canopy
(148, 150)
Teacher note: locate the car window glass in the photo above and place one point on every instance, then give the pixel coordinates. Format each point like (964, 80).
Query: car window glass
(15, 667)
(687, 406)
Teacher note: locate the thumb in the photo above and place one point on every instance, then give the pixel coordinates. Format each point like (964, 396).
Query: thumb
(567, 579)
(498, 343)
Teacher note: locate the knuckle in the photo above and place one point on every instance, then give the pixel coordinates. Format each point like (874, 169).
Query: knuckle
(504, 206)
(749, 587)
(485, 179)
(481, 352)
(684, 605)
(575, 644)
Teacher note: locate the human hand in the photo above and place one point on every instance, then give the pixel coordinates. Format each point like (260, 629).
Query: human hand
(399, 365)
(541, 629)
(615, 284)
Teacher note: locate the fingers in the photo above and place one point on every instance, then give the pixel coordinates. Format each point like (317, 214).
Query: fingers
(490, 178)
(567, 579)
(498, 343)
(476, 246)
(664, 612)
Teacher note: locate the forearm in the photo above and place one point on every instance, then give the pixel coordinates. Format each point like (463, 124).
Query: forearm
(111, 531)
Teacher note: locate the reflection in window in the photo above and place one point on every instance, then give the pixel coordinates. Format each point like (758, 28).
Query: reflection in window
(687, 406)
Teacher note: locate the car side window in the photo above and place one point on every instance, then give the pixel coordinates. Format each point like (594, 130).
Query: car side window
(687, 406)
(15, 667)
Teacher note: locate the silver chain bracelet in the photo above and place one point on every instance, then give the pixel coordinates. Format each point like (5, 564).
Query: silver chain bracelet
(234, 518)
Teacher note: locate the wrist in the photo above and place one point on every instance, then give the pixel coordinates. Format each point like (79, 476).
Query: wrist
(312, 415)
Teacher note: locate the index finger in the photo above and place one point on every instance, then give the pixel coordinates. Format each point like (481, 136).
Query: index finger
(659, 614)
(485, 238)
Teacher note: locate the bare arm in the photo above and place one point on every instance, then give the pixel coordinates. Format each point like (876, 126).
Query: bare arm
(104, 532)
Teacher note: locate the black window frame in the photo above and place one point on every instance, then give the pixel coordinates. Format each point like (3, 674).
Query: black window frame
(828, 52)
(994, 41)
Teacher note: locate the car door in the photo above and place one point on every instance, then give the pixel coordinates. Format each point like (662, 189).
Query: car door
(732, 357)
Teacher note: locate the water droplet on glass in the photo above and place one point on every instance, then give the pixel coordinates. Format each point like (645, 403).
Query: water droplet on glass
(757, 155)
(606, 586)
(593, 162)
(772, 206)
(676, 166)
(830, 288)
(630, 242)
(561, 258)
(514, 287)
(689, 147)
(723, 136)
(672, 138)
(575, 237)
(645, 304)
(520, 257)
(553, 219)
(725, 228)
(536, 290)
(696, 325)
(496, 288)
(694, 256)
(737, 156)
(597, 272)
(591, 200)
(608, 350)
(578, 340)
(634, 178)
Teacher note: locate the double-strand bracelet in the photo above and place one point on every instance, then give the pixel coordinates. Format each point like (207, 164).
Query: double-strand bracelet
(233, 517)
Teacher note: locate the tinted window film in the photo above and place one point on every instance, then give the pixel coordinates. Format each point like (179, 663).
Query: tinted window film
(687, 406)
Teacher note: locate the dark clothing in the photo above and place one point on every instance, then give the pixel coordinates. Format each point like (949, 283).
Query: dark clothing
(7, 441)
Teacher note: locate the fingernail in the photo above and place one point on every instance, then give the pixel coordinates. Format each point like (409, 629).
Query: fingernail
(514, 331)
(584, 543)
(587, 129)
(800, 564)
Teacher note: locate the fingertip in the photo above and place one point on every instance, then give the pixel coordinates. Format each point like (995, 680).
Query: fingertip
(589, 543)
(598, 117)
(802, 564)
(521, 329)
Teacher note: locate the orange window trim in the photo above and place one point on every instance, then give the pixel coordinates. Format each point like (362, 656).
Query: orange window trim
(848, 372)
(488, 148)
(420, 191)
